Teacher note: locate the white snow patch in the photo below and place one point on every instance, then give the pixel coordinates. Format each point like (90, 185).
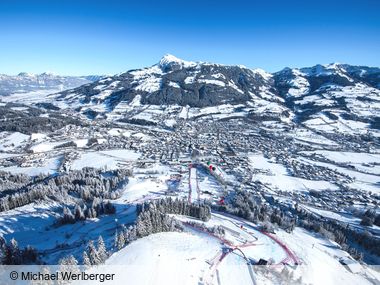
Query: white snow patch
(212, 81)
(9, 141)
(109, 159)
(277, 176)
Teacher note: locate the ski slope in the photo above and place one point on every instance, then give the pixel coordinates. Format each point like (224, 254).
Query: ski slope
(198, 257)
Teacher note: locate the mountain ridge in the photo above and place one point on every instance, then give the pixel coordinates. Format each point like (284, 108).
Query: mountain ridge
(25, 82)
(174, 89)
(172, 81)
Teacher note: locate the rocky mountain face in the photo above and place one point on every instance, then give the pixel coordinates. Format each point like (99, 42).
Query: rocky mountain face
(176, 82)
(27, 82)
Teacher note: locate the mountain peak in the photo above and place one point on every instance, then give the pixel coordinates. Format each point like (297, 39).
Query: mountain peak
(168, 58)
(48, 73)
(25, 74)
(170, 62)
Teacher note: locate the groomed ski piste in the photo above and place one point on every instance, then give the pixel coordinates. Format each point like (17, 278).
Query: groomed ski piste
(194, 191)
(197, 256)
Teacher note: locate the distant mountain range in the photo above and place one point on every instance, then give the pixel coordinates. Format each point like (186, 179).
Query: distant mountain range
(28, 82)
(332, 97)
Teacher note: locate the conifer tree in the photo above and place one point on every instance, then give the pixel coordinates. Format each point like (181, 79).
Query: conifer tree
(102, 251)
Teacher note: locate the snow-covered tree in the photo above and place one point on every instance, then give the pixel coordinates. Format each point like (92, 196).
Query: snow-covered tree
(78, 212)
(102, 251)
(93, 253)
(68, 264)
(120, 241)
(86, 260)
(14, 253)
(45, 271)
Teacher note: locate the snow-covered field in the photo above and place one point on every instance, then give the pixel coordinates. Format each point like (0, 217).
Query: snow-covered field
(48, 166)
(365, 162)
(9, 141)
(108, 159)
(362, 180)
(277, 176)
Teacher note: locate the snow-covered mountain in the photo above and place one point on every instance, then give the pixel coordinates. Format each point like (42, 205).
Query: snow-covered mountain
(28, 82)
(338, 96)
(174, 82)
(326, 96)
(332, 97)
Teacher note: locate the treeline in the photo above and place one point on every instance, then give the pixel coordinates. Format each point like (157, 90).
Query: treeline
(11, 254)
(343, 234)
(370, 218)
(80, 213)
(243, 204)
(90, 182)
(215, 230)
(92, 255)
(32, 194)
(148, 222)
(152, 217)
(30, 121)
(86, 184)
(179, 207)
(12, 181)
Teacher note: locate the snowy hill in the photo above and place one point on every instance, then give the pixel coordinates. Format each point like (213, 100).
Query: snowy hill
(332, 97)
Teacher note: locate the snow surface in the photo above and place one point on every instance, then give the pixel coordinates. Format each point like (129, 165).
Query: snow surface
(48, 166)
(212, 81)
(168, 258)
(278, 177)
(81, 142)
(46, 146)
(9, 141)
(169, 59)
(37, 137)
(191, 257)
(321, 259)
(300, 85)
(362, 181)
(263, 73)
(109, 159)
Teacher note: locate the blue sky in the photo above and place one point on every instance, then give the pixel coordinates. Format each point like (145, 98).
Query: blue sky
(107, 37)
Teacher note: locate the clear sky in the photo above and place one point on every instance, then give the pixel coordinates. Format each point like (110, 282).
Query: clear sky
(107, 37)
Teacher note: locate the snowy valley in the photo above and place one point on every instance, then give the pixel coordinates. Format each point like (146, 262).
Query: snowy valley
(198, 173)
